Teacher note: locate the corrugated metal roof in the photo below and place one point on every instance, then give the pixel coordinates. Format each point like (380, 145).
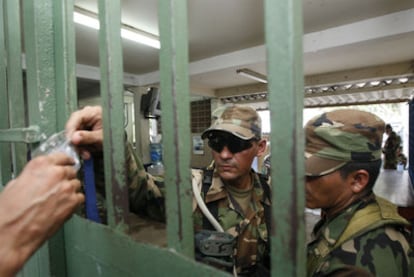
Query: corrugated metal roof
(390, 90)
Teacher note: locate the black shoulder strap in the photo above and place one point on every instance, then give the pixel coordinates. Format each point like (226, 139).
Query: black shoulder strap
(267, 194)
(265, 185)
(212, 206)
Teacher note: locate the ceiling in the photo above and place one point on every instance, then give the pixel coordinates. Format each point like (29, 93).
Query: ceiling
(345, 43)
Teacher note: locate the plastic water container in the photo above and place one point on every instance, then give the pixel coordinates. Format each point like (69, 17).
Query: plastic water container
(157, 168)
(156, 152)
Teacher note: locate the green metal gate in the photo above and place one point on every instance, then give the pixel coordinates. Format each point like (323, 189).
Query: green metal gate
(31, 96)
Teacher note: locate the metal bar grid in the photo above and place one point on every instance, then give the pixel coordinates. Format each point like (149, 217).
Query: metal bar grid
(46, 65)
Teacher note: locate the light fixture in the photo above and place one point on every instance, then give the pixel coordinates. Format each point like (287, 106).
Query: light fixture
(252, 75)
(90, 20)
(403, 80)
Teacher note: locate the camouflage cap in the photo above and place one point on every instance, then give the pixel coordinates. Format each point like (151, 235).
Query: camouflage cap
(241, 121)
(338, 137)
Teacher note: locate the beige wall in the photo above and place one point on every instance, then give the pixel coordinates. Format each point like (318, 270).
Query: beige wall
(201, 160)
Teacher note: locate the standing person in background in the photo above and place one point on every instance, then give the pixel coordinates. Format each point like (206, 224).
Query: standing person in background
(359, 234)
(401, 158)
(390, 148)
(236, 197)
(34, 206)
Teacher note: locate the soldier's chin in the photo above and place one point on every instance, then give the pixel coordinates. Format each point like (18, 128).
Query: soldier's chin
(311, 205)
(227, 176)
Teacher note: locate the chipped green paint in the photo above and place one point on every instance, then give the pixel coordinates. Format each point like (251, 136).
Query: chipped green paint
(27, 135)
(283, 29)
(40, 63)
(110, 54)
(15, 79)
(67, 97)
(176, 123)
(5, 149)
(95, 250)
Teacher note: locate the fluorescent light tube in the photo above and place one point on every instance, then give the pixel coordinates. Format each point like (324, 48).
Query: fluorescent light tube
(252, 75)
(140, 38)
(85, 20)
(126, 33)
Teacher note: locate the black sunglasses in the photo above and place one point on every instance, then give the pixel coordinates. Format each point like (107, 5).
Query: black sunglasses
(311, 178)
(233, 143)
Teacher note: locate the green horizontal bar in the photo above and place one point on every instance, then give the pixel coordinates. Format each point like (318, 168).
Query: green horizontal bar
(28, 135)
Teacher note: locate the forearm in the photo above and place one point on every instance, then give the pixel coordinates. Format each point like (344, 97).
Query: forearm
(34, 206)
(20, 232)
(12, 257)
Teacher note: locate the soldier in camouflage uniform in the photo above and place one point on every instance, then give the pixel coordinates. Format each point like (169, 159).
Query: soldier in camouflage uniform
(234, 190)
(390, 148)
(360, 234)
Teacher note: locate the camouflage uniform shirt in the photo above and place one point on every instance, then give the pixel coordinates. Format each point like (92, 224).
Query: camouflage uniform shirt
(249, 228)
(383, 251)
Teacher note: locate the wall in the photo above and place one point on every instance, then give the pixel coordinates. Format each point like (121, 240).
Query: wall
(137, 126)
(94, 99)
(200, 120)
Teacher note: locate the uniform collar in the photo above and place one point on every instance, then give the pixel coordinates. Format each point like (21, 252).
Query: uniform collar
(333, 228)
(218, 191)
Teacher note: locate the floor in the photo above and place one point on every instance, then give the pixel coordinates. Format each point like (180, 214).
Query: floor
(147, 231)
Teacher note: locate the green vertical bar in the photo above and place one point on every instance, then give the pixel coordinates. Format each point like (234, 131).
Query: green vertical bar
(67, 99)
(41, 96)
(176, 123)
(5, 172)
(15, 79)
(283, 29)
(66, 102)
(110, 54)
(39, 47)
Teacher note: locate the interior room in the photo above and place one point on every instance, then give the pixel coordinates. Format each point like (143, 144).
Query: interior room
(355, 54)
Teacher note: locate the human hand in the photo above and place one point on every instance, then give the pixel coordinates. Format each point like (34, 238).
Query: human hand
(34, 206)
(84, 128)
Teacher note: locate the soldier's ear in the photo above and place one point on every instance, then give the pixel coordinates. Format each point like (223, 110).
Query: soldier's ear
(359, 180)
(261, 145)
